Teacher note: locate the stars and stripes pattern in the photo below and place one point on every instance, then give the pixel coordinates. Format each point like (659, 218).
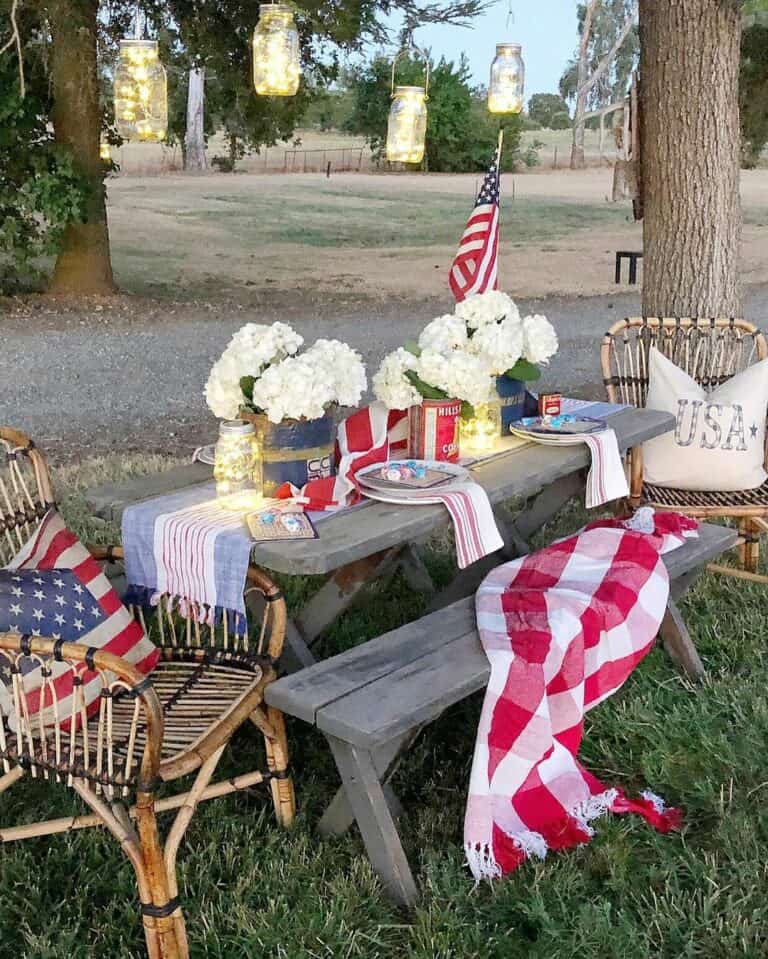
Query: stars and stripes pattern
(55, 589)
(563, 628)
(475, 268)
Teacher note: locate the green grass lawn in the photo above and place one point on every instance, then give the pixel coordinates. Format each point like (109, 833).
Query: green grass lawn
(251, 890)
(328, 216)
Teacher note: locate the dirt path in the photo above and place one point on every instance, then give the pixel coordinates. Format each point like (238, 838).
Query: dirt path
(129, 374)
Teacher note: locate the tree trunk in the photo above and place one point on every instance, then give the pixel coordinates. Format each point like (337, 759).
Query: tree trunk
(689, 68)
(578, 161)
(194, 140)
(83, 265)
(582, 75)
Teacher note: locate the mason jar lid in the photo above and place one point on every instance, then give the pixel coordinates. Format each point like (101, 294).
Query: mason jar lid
(270, 8)
(400, 89)
(235, 428)
(508, 47)
(138, 44)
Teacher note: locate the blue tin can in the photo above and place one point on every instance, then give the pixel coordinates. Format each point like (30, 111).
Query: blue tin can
(512, 395)
(294, 451)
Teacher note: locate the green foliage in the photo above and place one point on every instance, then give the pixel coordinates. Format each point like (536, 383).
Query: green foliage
(461, 134)
(548, 110)
(329, 110)
(753, 93)
(39, 191)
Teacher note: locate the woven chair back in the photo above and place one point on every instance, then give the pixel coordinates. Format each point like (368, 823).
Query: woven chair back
(26, 493)
(710, 351)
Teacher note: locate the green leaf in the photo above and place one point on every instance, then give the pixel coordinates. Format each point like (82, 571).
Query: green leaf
(413, 347)
(467, 410)
(246, 385)
(427, 391)
(525, 371)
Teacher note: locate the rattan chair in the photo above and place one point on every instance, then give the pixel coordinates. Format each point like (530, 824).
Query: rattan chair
(148, 730)
(711, 352)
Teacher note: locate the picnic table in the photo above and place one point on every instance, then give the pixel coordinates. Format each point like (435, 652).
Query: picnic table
(372, 701)
(359, 545)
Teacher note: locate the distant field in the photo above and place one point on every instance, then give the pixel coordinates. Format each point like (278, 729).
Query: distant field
(376, 235)
(311, 150)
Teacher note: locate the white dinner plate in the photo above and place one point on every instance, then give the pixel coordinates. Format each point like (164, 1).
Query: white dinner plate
(458, 474)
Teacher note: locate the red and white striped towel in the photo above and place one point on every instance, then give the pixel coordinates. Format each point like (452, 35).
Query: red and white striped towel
(563, 628)
(475, 527)
(607, 478)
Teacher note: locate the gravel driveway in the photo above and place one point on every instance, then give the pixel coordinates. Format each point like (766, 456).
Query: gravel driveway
(129, 374)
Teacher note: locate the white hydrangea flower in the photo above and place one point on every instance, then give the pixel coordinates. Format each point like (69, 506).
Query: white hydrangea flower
(222, 391)
(539, 339)
(460, 374)
(481, 308)
(443, 334)
(501, 343)
(293, 389)
(342, 367)
(389, 383)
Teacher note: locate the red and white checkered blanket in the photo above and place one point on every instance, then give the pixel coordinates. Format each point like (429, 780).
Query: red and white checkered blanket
(562, 628)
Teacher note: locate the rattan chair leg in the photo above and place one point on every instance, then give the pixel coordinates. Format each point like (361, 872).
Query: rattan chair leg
(735, 573)
(281, 784)
(12, 776)
(185, 814)
(163, 921)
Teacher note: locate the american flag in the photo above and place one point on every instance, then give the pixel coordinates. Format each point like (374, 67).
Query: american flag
(55, 589)
(475, 267)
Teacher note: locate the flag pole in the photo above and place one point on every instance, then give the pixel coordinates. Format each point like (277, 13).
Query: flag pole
(501, 141)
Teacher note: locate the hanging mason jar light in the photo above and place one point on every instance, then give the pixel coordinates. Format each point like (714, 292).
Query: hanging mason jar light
(507, 86)
(407, 124)
(276, 64)
(105, 151)
(141, 92)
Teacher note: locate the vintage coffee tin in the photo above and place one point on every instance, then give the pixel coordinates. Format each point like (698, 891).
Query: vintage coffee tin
(550, 404)
(434, 430)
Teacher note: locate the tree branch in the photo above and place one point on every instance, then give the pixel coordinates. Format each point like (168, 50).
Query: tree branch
(15, 40)
(611, 55)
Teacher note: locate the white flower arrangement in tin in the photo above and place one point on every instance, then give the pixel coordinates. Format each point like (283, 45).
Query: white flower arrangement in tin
(460, 355)
(262, 371)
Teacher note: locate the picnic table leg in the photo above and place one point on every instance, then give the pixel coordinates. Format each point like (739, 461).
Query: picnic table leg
(674, 633)
(374, 819)
(339, 816)
(515, 535)
(339, 592)
(414, 571)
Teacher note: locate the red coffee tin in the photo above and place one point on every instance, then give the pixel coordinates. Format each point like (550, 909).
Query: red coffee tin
(434, 430)
(550, 404)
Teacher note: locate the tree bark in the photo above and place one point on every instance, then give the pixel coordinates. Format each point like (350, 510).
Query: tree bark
(585, 80)
(194, 139)
(582, 75)
(83, 265)
(689, 68)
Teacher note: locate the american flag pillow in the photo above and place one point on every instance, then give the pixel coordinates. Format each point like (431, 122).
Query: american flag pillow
(55, 589)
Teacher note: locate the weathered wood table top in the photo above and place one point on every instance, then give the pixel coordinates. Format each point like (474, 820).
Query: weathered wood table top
(356, 534)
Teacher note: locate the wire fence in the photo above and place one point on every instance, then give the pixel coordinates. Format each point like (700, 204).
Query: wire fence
(335, 159)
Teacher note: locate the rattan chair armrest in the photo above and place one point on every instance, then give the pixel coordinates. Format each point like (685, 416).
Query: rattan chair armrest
(138, 684)
(107, 554)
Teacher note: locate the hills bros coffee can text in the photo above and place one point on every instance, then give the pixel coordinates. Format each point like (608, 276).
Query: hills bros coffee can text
(434, 430)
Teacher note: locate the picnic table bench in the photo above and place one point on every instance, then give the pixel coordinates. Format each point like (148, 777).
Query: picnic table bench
(372, 701)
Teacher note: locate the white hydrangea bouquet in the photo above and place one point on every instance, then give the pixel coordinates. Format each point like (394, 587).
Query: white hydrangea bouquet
(460, 355)
(262, 371)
